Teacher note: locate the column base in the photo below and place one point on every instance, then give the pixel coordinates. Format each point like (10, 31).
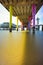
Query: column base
(38, 27)
(10, 30)
(42, 27)
(33, 30)
(17, 29)
(23, 28)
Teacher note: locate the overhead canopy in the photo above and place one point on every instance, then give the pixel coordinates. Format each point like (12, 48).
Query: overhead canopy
(22, 8)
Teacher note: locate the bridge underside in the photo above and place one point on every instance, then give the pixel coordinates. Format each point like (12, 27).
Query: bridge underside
(22, 8)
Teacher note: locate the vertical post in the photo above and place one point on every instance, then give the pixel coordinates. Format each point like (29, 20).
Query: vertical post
(10, 24)
(29, 25)
(29, 22)
(33, 15)
(38, 23)
(22, 26)
(17, 22)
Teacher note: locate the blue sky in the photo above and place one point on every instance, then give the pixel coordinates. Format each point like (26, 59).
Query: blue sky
(40, 15)
(4, 16)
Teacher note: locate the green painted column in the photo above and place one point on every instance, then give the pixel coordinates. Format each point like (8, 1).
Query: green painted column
(10, 24)
(17, 22)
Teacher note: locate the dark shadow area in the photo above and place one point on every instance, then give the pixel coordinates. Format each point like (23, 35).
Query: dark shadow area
(33, 52)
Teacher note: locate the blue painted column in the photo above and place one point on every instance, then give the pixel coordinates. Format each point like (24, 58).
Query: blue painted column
(29, 22)
(28, 25)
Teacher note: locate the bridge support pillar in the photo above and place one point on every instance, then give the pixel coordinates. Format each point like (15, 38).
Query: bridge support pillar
(42, 27)
(17, 22)
(28, 25)
(22, 26)
(10, 24)
(33, 15)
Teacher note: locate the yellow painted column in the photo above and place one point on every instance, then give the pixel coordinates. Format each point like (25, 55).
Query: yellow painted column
(10, 24)
(17, 22)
